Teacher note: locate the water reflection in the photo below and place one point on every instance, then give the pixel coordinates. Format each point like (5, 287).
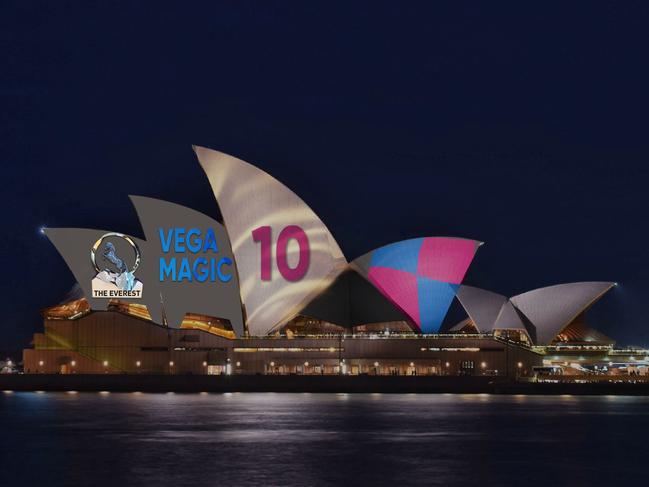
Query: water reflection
(319, 439)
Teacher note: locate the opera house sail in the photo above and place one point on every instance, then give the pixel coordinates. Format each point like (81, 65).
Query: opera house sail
(285, 254)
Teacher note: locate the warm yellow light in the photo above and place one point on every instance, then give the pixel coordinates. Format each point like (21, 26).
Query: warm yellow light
(520, 364)
(238, 364)
(105, 363)
(40, 362)
(483, 364)
(412, 364)
(138, 363)
(73, 363)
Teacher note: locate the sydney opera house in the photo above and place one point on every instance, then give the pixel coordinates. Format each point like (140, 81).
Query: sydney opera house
(280, 297)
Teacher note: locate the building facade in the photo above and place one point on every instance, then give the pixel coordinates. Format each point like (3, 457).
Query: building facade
(115, 342)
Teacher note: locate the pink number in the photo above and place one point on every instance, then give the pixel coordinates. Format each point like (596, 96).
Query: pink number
(262, 235)
(296, 273)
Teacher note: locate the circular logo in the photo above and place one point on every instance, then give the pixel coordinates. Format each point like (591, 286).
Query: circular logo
(111, 251)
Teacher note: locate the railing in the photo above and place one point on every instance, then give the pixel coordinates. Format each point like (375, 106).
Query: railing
(377, 336)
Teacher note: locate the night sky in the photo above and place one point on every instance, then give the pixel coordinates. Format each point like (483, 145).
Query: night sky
(523, 126)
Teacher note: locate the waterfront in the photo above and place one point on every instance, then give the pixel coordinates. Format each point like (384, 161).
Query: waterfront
(320, 439)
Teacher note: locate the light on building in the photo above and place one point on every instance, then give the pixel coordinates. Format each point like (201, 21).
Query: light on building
(171, 363)
(272, 364)
(138, 363)
(40, 362)
(9, 363)
(376, 364)
(520, 364)
(483, 364)
(238, 364)
(306, 364)
(447, 364)
(412, 364)
(73, 363)
(105, 363)
(204, 364)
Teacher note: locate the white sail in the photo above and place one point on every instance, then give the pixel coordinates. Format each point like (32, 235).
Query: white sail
(284, 253)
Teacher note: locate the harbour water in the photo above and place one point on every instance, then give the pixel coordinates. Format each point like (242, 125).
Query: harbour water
(239, 439)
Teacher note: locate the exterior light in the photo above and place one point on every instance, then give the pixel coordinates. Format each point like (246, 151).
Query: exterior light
(376, 364)
(238, 364)
(171, 363)
(520, 364)
(105, 363)
(483, 364)
(412, 364)
(9, 363)
(73, 363)
(272, 364)
(204, 364)
(448, 364)
(40, 362)
(610, 364)
(306, 364)
(138, 363)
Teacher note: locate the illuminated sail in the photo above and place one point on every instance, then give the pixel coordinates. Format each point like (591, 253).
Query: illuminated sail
(284, 253)
(210, 285)
(421, 276)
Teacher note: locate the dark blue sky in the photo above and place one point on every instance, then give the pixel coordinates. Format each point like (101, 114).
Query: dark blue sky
(522, 126)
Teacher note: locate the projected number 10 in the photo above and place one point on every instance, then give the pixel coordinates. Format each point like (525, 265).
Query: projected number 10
(263, 236)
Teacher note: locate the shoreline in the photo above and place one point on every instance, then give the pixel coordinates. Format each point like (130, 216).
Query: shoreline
(315, 384)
